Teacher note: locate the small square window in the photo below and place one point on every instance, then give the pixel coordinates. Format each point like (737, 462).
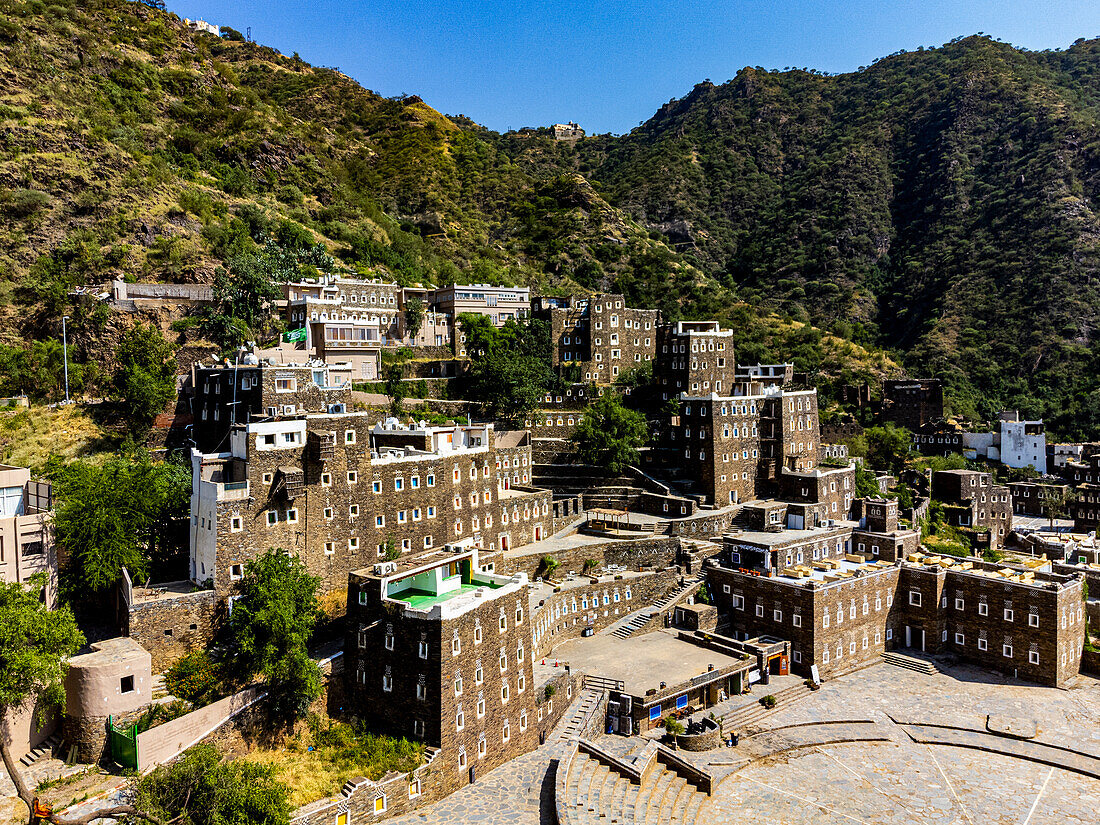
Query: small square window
(353, 477)
(127, 684)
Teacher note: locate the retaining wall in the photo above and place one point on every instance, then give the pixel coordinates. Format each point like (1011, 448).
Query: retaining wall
(165, 742)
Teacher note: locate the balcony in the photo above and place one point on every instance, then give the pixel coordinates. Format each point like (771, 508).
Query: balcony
(233, 491)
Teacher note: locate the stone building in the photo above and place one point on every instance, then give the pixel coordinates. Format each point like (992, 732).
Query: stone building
(936, 439)
(343, 494)
(695, 357)
(26, 540)
(567, 131)
(768, 375)
(735, 447)
(599, 335)
(252, 390)
(841, 610)
(440, 652)
(913, 403)
(1030, 498)
(972, 502)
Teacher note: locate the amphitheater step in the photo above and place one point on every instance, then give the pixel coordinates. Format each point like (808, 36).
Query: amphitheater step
(909, 662)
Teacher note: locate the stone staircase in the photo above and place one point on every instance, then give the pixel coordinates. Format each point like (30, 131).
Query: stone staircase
(573, 727)
(909, 662)
(740, 718)
(636, 621)
(42, 751)
(598, 795)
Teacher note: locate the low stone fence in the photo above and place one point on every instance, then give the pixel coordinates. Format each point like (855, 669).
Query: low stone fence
(633, 554)
(708, 740)
(1090, 662)
(122, 291)
(165, 742)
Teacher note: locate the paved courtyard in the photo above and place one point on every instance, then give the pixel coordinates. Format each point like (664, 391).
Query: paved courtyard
(881, 776)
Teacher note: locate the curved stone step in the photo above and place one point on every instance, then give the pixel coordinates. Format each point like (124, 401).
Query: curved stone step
(645, 812)
(680, 802)
(664, 813)
(614, 808)
(694, 806)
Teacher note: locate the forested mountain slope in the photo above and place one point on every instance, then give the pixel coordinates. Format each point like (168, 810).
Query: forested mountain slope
(940, 202)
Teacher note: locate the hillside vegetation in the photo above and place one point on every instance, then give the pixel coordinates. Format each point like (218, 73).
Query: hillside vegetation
(938, 204)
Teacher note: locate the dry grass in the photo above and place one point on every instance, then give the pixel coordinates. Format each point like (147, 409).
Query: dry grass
(339, 754)
(28, 437)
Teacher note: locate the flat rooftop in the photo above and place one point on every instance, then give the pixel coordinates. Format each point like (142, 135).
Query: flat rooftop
(580, 581)
(830, 570)
(784, 537)
(425, 599)
(641, 663)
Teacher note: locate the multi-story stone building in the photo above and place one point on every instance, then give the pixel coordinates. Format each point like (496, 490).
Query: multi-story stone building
(972, 501)
(439, 651)
(936, 439)
(599, 334)
(1031, 498)
(913, 403)
(344, 494)
(253, 390)
(26, 541)
(841, 610)
(695, 357)
(735, 447)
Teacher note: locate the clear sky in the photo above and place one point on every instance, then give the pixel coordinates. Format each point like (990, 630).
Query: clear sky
(610, 64)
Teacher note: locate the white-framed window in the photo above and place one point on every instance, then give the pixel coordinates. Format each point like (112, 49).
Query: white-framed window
(353, 477)
(380, 801)
(760, 610)
(422, 650)
(414, 789)
(796, 619)
(983, 644)
(272, 518)
(1008, 614)
(236, 524)
(1033, 619)
(421, 691)
(1033, 657)
(983, 609)
(349, 436)
(1006, 651)
(480, 707)
(914, 598)
(387, 683)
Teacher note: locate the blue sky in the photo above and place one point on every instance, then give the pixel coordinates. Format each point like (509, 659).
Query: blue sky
(611, 64)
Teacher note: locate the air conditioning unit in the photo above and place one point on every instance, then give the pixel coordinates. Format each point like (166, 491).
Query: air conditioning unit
(385, 568)
(288, 409)
(337, 408)
(272, 411)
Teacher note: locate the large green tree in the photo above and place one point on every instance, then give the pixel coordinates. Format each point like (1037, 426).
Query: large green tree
(610, 434)
(509, 366)
(35, 642)
(887, 447)
(145, 380)
(113, 515)
(271, 625)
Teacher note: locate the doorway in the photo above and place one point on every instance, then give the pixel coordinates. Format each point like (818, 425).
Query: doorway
(914, 637)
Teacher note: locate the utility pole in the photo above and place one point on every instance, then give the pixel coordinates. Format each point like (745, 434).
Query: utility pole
(65, 353)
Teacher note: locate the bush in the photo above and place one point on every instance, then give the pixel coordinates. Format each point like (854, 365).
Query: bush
(769, 701)
(22, 203)
(194, 678)
(673, 726)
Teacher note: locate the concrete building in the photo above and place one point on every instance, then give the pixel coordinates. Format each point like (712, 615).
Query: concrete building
(567, 131)
(1015, 443)
(766, 374)
(440, 652)
(26, 541)
(253, 390)
(343, 494)
(202, 26)
(497, 303)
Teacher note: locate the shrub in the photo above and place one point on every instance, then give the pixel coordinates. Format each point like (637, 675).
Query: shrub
(769, 701)
(194, 678)
(673, 726)
(22, 203)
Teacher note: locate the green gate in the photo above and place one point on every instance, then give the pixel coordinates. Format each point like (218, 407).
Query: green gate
(123, 744)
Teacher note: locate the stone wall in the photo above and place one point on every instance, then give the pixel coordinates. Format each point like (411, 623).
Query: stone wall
(1090, 662)
(400, 793)
(171, 627)
(565, 614)
(164, 742)
(550, 709)
(633, 554)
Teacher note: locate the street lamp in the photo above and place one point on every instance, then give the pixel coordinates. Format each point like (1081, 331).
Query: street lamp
(65, 353)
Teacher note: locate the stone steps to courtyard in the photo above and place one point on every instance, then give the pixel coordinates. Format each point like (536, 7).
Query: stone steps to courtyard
(909, 662)
(740, 718)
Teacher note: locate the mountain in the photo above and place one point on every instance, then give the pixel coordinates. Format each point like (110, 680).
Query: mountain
(939, 203)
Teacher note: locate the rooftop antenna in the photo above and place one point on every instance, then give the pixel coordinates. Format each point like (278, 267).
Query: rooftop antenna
(248, 34)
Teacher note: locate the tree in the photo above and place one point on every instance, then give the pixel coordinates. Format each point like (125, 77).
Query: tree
(414, 317)
(201, 789)
(866, 482)
(34, 645)
(113, 515)
(395, 386)
(271, 625)
(609, 435)
(145, 380)
(887, 447)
